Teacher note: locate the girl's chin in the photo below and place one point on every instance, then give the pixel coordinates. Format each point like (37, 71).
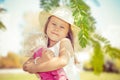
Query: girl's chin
(54, 39)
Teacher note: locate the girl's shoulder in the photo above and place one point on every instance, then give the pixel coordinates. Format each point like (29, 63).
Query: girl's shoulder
(65, 40)
(66, 44)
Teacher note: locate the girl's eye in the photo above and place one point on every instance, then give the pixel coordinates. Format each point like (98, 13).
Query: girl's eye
(62, 27)
(54, 24)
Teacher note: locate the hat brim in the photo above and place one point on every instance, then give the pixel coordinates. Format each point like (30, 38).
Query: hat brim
(43, 17)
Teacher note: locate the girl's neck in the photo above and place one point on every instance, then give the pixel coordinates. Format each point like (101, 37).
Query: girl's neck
(51, 43)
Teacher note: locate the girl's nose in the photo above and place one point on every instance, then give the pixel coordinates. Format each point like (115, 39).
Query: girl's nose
(57, 28)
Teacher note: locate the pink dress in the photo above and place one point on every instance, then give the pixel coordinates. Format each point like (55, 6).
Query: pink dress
(51, 75)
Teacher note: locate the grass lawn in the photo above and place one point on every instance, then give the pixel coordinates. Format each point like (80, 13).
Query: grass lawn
(83, 75)
(18, 76)
(103, 76)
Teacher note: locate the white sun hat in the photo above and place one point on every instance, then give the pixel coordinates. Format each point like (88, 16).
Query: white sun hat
(63, 12)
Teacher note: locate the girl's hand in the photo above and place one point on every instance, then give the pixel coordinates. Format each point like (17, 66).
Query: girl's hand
(30, 67)
(30, 60)
(47, 54)
(76, 61)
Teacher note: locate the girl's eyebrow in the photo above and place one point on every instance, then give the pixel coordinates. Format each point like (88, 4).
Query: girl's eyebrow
(52, 20)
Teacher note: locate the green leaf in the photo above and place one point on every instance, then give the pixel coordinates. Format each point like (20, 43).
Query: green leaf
(2, 26)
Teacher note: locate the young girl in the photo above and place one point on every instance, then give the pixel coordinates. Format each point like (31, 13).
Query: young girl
(60, 40)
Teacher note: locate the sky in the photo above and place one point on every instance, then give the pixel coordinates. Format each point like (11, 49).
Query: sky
(10, 40)
(105, 12)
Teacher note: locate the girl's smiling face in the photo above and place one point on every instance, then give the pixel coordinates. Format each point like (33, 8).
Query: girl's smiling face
(57, 29)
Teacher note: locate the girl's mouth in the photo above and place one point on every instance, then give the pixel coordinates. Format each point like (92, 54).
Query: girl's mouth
(54, 33)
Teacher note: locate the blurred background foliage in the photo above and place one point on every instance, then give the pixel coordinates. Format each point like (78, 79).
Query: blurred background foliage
(12, 60)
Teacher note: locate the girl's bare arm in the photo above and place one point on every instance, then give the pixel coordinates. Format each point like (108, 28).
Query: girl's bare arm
(66, 51)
